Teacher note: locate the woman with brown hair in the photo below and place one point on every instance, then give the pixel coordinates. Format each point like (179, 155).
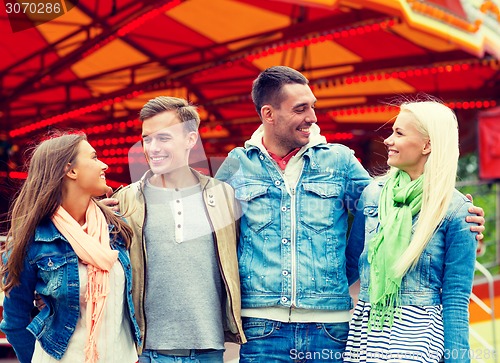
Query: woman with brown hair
(73, 252)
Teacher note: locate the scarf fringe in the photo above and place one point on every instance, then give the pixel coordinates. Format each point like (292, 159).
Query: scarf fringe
(382, 312)
(91, 353)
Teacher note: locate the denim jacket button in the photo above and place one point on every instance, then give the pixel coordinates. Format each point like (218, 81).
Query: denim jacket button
(284, 241)
(277, 183)
(283, 209)
(284, 273)
(261, 157)
(284, 299)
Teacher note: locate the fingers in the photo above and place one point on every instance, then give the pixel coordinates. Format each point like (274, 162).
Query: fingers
(39, 302)
(477, 210)
(478, 227)
(109, 193)
(469, 196)
(111, 203)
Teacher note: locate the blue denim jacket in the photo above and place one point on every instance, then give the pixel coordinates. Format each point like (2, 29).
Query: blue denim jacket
(444, 273)
(292, 246)
(51, 269)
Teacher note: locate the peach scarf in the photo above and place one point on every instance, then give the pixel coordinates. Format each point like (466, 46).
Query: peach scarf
(91, 244)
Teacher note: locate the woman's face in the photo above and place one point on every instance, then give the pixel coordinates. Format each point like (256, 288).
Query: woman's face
(407, 148)
(88, 171)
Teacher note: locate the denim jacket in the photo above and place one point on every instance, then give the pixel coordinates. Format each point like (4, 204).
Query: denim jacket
(444, 273)
(51, 269)
(292, 245)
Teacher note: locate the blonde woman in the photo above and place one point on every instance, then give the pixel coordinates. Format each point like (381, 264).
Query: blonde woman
(417, 267)
(69, 249)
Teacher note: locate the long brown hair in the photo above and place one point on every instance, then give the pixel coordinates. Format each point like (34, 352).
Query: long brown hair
(39, 197)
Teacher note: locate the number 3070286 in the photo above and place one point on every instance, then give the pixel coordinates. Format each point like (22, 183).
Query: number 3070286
(33, 8)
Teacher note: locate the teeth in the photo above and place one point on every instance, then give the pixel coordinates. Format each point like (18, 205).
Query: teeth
(304, 129)
(159, 158)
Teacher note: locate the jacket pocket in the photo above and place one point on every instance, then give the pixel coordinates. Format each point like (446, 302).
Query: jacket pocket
(318, 205)
(255, 205)
(51, 271)
(371, 219)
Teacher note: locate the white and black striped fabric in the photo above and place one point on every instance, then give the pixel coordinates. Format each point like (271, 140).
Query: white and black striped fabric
(416, 336)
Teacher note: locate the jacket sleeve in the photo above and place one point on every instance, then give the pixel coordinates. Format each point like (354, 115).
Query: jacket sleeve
(355, 243)
(17, 307)
(358, 179)
(228, 168)
(458, 275)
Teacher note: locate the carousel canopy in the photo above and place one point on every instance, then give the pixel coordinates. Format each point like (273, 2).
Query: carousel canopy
(92, 64)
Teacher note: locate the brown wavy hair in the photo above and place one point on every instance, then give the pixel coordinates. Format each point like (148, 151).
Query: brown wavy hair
(39, 198)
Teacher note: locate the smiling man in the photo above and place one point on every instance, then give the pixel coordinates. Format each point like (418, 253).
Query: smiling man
(186, 286)
(295, 190)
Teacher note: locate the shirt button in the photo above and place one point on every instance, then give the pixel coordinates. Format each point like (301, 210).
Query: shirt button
(178, 201)
(178, 226)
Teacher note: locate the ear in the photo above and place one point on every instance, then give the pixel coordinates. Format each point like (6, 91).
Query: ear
(266, 114)
(427, 148)
(71, 172)
(192, 138)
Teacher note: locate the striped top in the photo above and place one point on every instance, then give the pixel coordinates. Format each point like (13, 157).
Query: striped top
(416, 335)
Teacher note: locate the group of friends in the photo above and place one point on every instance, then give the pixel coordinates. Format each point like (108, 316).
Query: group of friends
(171, 267)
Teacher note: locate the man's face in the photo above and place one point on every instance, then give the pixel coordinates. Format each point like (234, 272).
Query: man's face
(166, 142)
(293, 118)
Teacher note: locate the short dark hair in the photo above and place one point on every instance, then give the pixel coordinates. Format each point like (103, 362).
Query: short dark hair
(268, 86)
(186, 112)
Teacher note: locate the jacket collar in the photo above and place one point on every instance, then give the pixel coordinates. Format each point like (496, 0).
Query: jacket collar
(46, 231)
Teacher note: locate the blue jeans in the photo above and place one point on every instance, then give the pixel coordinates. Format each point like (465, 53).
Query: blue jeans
(274, 341)
(152, 356)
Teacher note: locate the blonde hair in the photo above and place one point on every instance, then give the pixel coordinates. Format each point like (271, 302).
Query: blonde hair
(439, 124)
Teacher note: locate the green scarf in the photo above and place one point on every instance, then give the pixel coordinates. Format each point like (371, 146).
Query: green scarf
(400, 200)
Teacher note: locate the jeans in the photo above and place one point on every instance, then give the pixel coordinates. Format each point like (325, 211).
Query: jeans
(152, 356)
(274, 341)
